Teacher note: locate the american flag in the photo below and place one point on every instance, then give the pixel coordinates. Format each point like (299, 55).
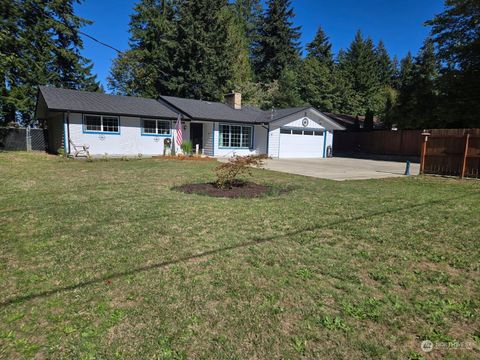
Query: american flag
(178, 128)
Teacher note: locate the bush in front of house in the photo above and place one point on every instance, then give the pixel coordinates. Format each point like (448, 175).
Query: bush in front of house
(228, 173)
(187, 147)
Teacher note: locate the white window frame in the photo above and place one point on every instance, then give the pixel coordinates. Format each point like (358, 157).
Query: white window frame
(220, 137)
(156, 133)
(101, 131)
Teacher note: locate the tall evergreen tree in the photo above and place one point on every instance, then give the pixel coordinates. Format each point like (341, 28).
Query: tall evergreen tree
(316, 75)
(425, 77)
(287, 92)
(456, 33)
(147, 68)
(320, 48)
(202, 62)
(277, 46)
(40, 45)
(417, 105)
(239, 44)
(406, 71)
(385, 64)
(363, 87)
(403, 107)
(249, 13)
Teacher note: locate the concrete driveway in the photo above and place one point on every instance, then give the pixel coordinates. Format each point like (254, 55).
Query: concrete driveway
(341, 168)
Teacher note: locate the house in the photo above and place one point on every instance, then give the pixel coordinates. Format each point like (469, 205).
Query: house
(123, 125)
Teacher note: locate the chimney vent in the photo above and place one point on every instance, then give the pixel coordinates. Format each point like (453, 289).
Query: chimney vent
(234, 100)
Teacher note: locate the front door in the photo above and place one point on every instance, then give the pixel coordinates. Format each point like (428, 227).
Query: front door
(196, 135)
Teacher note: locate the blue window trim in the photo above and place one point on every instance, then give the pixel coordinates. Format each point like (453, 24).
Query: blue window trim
(250, 147)
(155, 135)
(84, 131)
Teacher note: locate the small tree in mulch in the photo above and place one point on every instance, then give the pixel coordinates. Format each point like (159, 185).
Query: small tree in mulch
(228, 173)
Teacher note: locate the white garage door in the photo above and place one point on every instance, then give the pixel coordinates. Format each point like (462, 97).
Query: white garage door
(301, 143)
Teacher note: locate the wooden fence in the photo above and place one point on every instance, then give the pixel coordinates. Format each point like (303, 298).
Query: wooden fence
(384, 143)
(454, 152)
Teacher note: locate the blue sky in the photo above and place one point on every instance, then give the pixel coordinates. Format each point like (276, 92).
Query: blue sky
(399, 23)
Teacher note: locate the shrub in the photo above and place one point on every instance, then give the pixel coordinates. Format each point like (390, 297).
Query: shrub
(187, 147)
(228, 173)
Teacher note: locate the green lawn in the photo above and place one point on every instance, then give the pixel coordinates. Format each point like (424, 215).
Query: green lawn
(103, 260)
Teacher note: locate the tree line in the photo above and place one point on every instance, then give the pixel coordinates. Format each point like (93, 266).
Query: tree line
(204, 49)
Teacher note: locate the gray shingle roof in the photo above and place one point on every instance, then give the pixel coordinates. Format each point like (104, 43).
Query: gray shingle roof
(281, 113)
(167, 107)
(92, 102)
(210, 110)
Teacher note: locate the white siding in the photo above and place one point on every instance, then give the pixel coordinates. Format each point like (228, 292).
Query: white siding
(208, 138)
(299, 124)
(260, 139)
(129, 142)
(274, 142)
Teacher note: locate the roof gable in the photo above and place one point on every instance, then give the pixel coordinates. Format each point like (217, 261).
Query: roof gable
(287, 116)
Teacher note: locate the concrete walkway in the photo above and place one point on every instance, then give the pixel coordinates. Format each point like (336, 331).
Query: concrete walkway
(341, 168)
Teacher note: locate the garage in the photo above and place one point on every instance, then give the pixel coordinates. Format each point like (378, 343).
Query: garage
(301, 143)
(300, 133)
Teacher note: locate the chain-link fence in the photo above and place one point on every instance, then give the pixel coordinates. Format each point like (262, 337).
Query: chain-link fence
(23, 139)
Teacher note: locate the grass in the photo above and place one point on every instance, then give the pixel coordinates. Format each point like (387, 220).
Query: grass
(103, 260)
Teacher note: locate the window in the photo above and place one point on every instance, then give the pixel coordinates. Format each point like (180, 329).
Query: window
(235, 136)
(99, 123)
(156, 127)
(110, 124)
(93, 123)
(301, 132)
(149, 127)
(163, 127)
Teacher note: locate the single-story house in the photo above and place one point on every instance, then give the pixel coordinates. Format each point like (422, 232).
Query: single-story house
(128, 126)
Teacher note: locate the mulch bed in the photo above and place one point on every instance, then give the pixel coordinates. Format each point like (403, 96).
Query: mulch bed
(183, 157)
(237, 190)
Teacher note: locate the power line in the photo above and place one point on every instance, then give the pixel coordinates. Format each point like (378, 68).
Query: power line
(87, 35)
(100, 42)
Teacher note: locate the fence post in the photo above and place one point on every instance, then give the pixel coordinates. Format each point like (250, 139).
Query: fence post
(465, 153)
(423, 151)
(28, 139)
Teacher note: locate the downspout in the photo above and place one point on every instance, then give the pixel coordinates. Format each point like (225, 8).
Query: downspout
(68, 132)
(268, 135)
(213, 139)
(325, 143)
(65, 149)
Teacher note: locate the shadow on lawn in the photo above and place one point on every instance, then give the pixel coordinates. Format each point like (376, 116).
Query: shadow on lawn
(254, 241)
